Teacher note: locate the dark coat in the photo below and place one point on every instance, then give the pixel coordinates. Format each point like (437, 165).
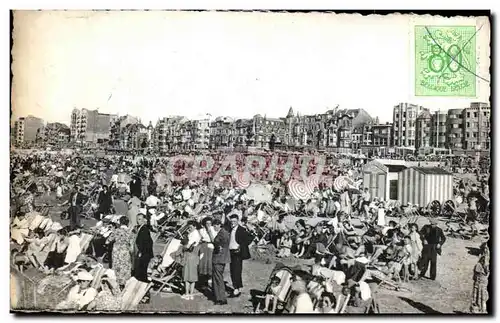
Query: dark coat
(144, 243)
(432, 235)
(243, 238)
(80, 199)
(221, 254)
(136, 188)
(105, 201)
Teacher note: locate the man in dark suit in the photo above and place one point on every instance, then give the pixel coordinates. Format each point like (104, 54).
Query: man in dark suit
(238, 247)
(76, 201)
(220, 258)
(433, 239)
(136, 186)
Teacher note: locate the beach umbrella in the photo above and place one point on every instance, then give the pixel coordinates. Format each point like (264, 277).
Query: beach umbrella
(298, 190)
(259, 193)
(312, 183)
(242, 180)
(342, 182)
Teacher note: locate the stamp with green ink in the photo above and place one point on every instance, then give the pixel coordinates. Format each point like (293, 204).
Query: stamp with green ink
(445, 61)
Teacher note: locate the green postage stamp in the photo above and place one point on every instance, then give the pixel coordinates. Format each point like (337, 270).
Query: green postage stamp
(445, 61)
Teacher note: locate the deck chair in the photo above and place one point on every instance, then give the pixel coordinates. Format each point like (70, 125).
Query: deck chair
(36, 221)
(85, 241)
(285, 276)
(133, 293)
(384, 280)
(168, 269)
(98, 273)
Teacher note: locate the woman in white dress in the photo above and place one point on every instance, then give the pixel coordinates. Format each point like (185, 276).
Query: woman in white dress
(206, 250)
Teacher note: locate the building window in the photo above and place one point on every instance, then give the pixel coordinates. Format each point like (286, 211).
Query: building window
(475, 114)
(475, 134)
(468, 114)
(468, 124)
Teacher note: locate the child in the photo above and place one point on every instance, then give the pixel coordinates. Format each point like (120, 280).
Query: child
(407, 260)
(272, 295)
(286, 245)
(416, 247)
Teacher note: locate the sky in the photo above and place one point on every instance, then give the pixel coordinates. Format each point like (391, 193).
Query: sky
(155, 64)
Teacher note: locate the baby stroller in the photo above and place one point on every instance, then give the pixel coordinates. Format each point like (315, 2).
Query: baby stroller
(285, 288)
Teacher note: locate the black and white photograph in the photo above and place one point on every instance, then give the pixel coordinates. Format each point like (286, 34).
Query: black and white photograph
(250, 162)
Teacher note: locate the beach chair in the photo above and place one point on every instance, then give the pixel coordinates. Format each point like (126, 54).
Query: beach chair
(169, 272)
(285, 275)
(133, 293)
(85, 240)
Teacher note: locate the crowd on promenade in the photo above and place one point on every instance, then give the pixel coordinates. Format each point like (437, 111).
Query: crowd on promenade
(118, 209)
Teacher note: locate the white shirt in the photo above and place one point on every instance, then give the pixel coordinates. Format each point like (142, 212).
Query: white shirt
(303, 304)
(233, 245)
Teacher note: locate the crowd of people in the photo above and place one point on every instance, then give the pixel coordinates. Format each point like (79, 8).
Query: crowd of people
(354, 240)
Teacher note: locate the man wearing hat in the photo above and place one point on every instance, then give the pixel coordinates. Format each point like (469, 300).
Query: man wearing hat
(433, 240)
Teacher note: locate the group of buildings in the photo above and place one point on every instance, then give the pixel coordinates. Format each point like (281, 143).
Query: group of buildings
(414, 129)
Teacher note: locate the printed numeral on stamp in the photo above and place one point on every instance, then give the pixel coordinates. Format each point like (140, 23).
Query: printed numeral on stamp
(445, 61)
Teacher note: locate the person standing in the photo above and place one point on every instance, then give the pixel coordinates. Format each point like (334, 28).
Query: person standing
(135, 186)
(144, 248)
(220, 258)
(121, 261)
(133, 209)
(206, 249)
(238, 248)
(345, 202)
(76, 201)
(480, 294)
(105, 202)
(433, 239)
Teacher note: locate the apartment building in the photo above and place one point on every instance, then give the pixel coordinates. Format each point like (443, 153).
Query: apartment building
(222, 133)
(404, 124)
(477, 126)
(438, 129)
(454, 129)
(27, 130)
(422, 131)
(91, 126)
(57, 133)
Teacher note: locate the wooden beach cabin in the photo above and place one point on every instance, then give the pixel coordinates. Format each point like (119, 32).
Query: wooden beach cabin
(422, 185)
(381, 177)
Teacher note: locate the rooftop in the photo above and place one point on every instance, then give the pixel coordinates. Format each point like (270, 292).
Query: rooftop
(432, 170)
